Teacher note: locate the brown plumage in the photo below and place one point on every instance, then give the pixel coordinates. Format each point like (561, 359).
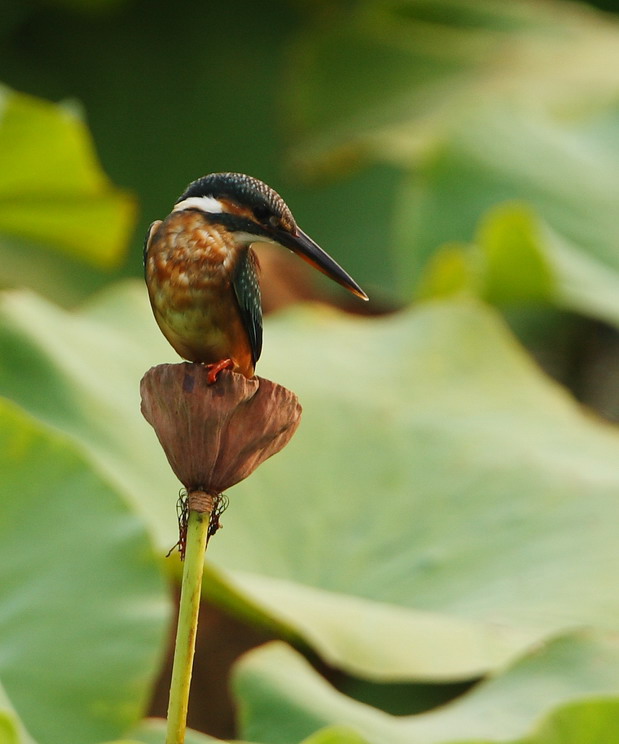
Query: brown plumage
(189, 266)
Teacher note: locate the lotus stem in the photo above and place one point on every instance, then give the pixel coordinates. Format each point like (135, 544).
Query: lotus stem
(214, 435)
(197, 536)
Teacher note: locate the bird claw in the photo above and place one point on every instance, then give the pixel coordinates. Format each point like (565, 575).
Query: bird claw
(216, 367)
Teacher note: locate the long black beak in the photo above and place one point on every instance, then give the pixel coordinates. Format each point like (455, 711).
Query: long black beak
(309, 251)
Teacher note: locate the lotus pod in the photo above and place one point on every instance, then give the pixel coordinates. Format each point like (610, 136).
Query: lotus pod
(216, 435)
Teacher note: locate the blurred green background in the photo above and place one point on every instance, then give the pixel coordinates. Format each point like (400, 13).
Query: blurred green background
(172, 91)
(437, 547)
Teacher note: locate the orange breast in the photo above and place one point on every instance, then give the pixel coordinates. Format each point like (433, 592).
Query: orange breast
(189, 267)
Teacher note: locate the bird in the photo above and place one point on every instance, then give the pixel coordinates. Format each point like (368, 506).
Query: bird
(202, 273)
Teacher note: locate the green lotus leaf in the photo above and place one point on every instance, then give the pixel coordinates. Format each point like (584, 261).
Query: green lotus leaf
(442, 506)
(83, 606)
(564, 690)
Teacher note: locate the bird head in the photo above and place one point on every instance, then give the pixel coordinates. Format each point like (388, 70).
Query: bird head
(253, 212)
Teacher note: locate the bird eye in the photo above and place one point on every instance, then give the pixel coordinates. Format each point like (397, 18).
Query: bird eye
(266, 217)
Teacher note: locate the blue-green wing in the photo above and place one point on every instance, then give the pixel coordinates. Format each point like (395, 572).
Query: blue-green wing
(247, 290)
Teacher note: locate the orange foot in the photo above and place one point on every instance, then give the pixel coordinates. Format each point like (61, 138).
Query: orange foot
(215, 368)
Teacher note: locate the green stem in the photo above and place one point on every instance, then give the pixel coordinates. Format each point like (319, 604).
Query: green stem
(197, 532)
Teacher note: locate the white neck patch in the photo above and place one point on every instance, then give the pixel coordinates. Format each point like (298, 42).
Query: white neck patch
(207, 204)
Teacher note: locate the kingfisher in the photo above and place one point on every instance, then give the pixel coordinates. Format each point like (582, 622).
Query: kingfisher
(202, 274)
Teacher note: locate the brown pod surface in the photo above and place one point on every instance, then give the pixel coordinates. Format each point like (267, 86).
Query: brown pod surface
(216, 435)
